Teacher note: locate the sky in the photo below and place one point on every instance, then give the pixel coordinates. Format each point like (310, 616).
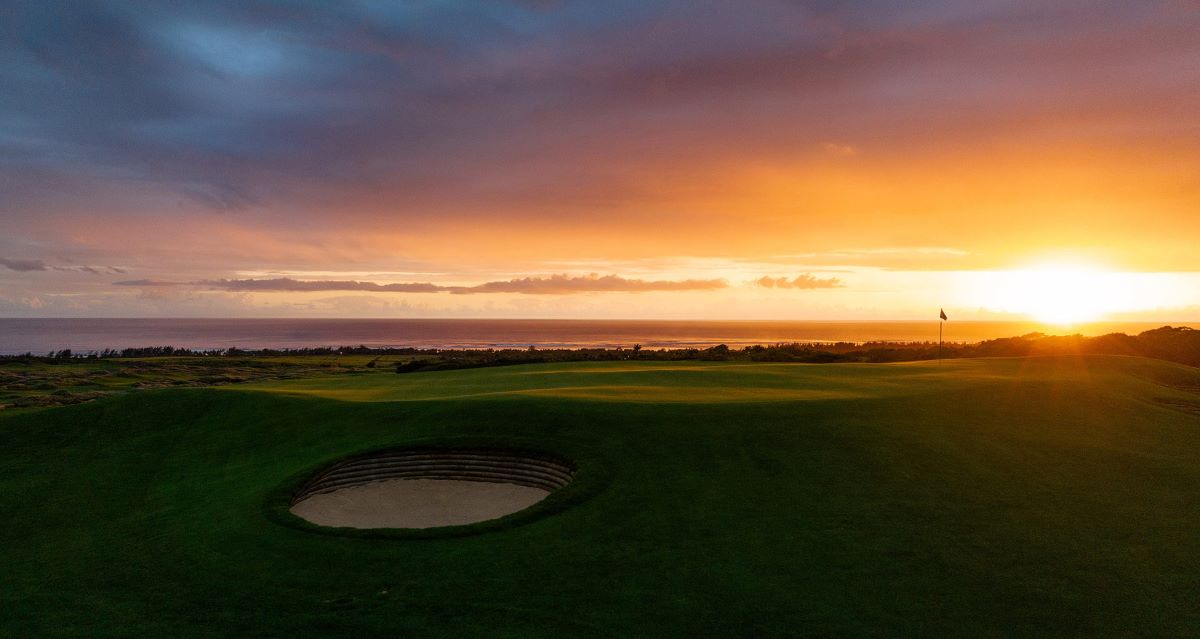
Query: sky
(732, 159)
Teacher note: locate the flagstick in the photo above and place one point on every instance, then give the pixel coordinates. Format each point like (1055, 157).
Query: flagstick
(941, 323)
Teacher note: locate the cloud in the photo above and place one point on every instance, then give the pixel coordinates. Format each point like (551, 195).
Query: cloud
(485, 137)
(560, 284)
(289, 284)
(40, 265)
(280, 284)
(567, 284)
(210, 103)
(94, 270)
(23, 265)
(805, 281)
(149, 283)
(840, 150)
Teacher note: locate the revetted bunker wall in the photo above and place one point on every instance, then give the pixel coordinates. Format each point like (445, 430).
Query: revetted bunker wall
(536, 470)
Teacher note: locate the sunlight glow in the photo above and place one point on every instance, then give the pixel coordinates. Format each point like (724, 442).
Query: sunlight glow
(1067, 294)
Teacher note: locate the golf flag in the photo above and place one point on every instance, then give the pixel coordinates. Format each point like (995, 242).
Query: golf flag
(941, 314)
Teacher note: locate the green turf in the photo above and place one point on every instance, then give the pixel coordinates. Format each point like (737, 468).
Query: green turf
(975, 498)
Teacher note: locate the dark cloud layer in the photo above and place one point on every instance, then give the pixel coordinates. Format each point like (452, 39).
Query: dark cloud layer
(260, 106)
(552, 285)
(23, 265)
(26, 265)
(189, 142)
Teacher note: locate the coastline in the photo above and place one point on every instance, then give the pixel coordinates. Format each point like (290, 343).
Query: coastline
(42, 335)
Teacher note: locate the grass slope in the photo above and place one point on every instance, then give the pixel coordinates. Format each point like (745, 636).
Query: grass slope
(999, 497)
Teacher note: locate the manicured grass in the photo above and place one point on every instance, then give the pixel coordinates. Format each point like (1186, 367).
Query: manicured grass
(992, 497)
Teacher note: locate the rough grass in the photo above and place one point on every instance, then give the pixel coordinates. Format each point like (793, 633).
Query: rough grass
(41, 384)
(1006, 497)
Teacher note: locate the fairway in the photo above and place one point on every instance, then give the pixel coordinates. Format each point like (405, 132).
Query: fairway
(1055, 496)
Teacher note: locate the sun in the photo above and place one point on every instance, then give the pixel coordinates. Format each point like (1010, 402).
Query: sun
(1059, 294)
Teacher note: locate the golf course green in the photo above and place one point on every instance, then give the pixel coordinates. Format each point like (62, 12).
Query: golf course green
(1042, 496)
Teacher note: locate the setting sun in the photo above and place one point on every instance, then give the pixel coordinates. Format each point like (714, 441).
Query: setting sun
(1067, 294)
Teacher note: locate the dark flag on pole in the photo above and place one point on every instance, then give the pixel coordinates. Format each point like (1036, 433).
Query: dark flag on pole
(941, 314)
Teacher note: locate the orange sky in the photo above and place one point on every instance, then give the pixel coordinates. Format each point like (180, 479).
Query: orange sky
(562, 159)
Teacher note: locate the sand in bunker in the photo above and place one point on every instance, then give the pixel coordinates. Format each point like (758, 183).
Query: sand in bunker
(417, 503)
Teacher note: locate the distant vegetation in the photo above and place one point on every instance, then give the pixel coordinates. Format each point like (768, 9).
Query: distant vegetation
(1176, 344)
(65, 377)
(1168, 343)
(37, 382)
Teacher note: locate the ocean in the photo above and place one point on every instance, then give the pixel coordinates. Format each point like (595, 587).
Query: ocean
(40, 336)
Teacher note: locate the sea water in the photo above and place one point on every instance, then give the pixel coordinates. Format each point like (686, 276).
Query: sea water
(40, 336)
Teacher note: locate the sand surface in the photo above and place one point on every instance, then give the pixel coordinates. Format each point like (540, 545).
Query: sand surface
(417, 503)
